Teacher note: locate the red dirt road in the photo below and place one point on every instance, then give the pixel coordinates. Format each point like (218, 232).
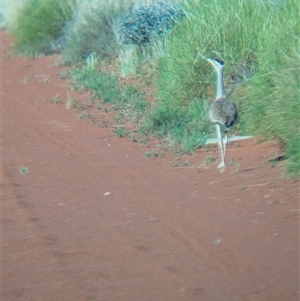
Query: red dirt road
(162, 233)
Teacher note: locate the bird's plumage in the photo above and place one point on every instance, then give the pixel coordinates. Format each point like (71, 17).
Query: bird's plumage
(223, 112)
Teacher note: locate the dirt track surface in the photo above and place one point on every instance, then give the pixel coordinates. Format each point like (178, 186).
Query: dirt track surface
(96, 220)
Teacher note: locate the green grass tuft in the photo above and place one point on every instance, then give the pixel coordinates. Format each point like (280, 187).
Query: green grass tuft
(180, 125)
(23, 170)
(128, 100)
(104, 84)
(272, 101)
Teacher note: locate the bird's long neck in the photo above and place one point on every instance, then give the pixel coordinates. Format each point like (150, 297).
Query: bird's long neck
(220, 84)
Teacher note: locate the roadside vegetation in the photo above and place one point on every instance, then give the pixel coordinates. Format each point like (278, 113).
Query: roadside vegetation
(38, 24)
(91, 33)
(126, 99)
(108, 49)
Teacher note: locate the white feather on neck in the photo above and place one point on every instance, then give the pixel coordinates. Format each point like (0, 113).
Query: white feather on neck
(220, 85)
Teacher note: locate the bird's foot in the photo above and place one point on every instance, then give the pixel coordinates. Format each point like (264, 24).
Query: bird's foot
(222, 165)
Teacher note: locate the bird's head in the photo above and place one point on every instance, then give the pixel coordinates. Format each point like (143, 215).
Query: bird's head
(217, 64)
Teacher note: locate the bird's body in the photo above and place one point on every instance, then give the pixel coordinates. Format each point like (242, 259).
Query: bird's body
(222, 112)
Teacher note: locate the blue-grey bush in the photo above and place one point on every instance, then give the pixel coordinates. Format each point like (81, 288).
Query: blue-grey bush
(143, 25)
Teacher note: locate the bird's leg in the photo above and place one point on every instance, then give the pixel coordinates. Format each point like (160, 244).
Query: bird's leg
(222, 164)
(225, 140)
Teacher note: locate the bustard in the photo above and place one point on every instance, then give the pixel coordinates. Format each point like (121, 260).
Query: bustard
(222, 112)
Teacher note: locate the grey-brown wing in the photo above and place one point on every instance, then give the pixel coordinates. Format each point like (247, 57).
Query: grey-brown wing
(223, 112)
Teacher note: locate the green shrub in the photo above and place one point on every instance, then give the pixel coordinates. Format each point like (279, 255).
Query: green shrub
(95, 35)
(39, 24)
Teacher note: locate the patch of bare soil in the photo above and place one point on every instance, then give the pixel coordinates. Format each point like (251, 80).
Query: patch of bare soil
(94, 219)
